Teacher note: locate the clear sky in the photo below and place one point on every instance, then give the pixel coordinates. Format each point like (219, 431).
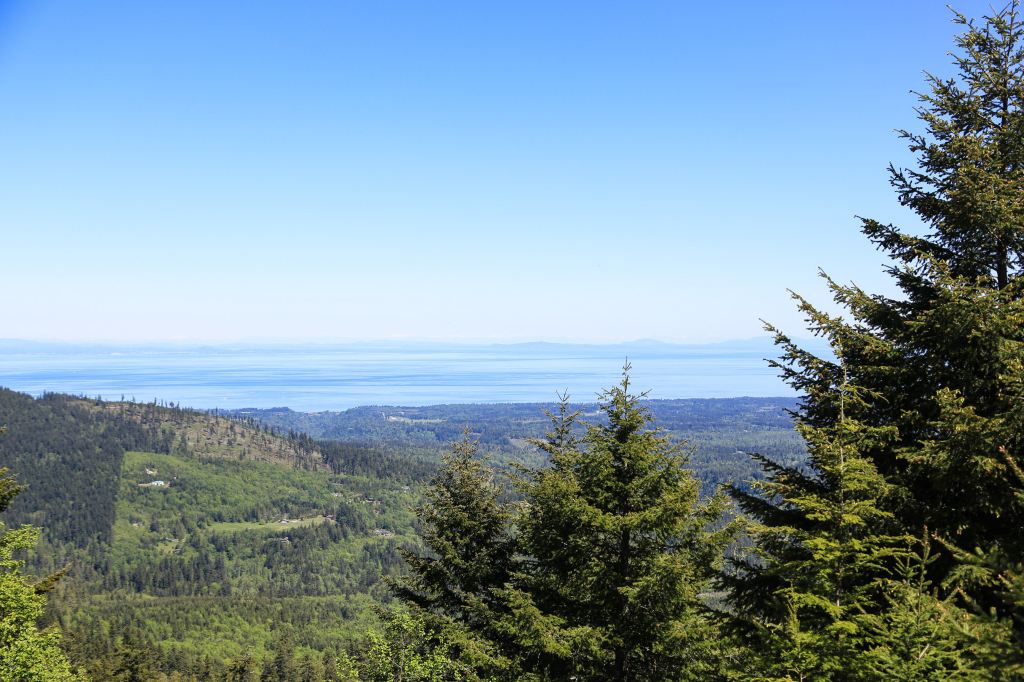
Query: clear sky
(589, 171)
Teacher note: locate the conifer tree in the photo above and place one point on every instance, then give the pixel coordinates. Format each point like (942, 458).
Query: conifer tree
(282, 667)
(27, 653)
(937, 370)
(618, 549)
(467, 527)
(598, 574)
(244, 669)
(468, 530)
(821, 540)
(947, 359)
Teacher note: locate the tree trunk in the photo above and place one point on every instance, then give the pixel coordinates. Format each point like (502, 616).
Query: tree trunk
(1001, 269)
(620, 647)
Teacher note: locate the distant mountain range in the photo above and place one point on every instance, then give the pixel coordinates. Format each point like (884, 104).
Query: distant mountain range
(60, 346)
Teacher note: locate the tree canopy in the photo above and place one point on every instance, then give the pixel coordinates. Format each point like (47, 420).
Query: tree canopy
(27, 653)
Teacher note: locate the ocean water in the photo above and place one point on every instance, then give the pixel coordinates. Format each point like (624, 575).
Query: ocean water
(335, 377)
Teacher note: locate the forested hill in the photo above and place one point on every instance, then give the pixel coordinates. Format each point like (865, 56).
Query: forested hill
(205, 538)
(68, 457)
(199, 538)
(208, 436)
(720, 431)
(68, 451)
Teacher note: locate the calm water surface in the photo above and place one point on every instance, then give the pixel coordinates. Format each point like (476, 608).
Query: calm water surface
(314, 378)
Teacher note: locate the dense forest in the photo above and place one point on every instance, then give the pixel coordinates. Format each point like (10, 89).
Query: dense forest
(884, 544)
(195, 541)
(175, 525)
(718, 431)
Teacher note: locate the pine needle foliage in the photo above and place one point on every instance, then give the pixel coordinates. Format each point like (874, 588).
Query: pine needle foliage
(916, 634)
(924, 395)
(822, 541)
(27, 652)
(619, 547)
(457, 587)
(596, 573)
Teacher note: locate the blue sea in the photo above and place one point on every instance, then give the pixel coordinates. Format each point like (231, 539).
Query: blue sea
(321, 377)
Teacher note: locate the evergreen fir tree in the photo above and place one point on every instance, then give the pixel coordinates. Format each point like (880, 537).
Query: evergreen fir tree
(821, 542)
(936, 373)
(468, 530)
(619, 548)
(946, 360)
(244, 669)
(283, 667)
(27, 653)
(467, 527)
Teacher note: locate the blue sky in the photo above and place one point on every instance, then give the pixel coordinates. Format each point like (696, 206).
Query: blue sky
(461, 171)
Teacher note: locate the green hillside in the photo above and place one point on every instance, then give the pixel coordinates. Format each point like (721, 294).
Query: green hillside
(195, 540)
(247, 538)
(722, 431)
(224, 555)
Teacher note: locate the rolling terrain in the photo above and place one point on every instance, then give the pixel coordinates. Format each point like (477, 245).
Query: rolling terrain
(196, 539)
(719, 432)
(191, 539)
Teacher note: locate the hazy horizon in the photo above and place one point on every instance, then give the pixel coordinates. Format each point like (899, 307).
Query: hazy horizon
(310, 377)
(292, 342)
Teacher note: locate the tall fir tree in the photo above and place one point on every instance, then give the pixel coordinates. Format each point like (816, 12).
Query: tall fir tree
(937, 370)
(468, 528)
(618, 549)
(27, 652)
(597, 573)
(816, 597)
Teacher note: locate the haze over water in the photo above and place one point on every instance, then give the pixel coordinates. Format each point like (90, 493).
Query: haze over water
(337, 377)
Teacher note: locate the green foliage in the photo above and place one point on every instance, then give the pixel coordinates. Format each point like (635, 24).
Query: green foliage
(720, 429)
(467, 527)
(822, 540)
(915, 634)
(619, 548)
(243, 669)
(596, 574)
(406, 649)
(27, 653)
(917, 423)
(282, 667)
